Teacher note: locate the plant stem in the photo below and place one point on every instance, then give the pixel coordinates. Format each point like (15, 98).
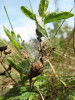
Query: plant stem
(11, 48)
(31, 6)
(39, 93)
(74, 31)
(30, 83)
(7, 15)
(61, 25)
(9, 74)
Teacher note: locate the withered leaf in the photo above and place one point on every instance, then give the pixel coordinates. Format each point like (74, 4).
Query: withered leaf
(2, 48)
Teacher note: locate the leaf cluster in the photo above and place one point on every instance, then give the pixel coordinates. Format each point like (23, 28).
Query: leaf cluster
(48, 87)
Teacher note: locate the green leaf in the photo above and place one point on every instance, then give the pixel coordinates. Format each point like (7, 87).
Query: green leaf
(54, 16)
(12, 36)
(41, 27)
(15, 66)
(7, 32)
(64, 83)
(28, 12)
(15, 41)
(38, 83)
(18, 36)
(41, 78)
(19, 93)
(14, 94)
(25, 65)
(26, 95)
(43, 7)
(1, 97)
(13, 33)
(22, 66)
(33, 97)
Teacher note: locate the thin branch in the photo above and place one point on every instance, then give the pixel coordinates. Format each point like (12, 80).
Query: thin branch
(8, 73)
(31, 5)
(6, 70)
(11, 48)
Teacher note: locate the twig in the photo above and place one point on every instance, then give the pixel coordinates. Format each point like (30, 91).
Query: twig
(8, 73)
(11, 48)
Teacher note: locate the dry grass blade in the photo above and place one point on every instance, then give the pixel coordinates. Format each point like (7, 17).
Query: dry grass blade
(56, 73)
(52, 68)
(39, 93)
(64, 55)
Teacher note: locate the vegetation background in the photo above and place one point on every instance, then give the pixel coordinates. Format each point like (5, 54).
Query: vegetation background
(57, 82)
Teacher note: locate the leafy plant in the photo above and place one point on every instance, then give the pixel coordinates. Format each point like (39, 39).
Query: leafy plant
(12, 36)
(29, 71)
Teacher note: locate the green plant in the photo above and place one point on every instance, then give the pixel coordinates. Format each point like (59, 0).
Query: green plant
(29, 71)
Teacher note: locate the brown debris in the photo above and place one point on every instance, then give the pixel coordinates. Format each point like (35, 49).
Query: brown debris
(37, 68)
(9, 68)
(1, 59)
(3, 48)
(46, 50)
(24, 54)
(7, 52)
(3, 73)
